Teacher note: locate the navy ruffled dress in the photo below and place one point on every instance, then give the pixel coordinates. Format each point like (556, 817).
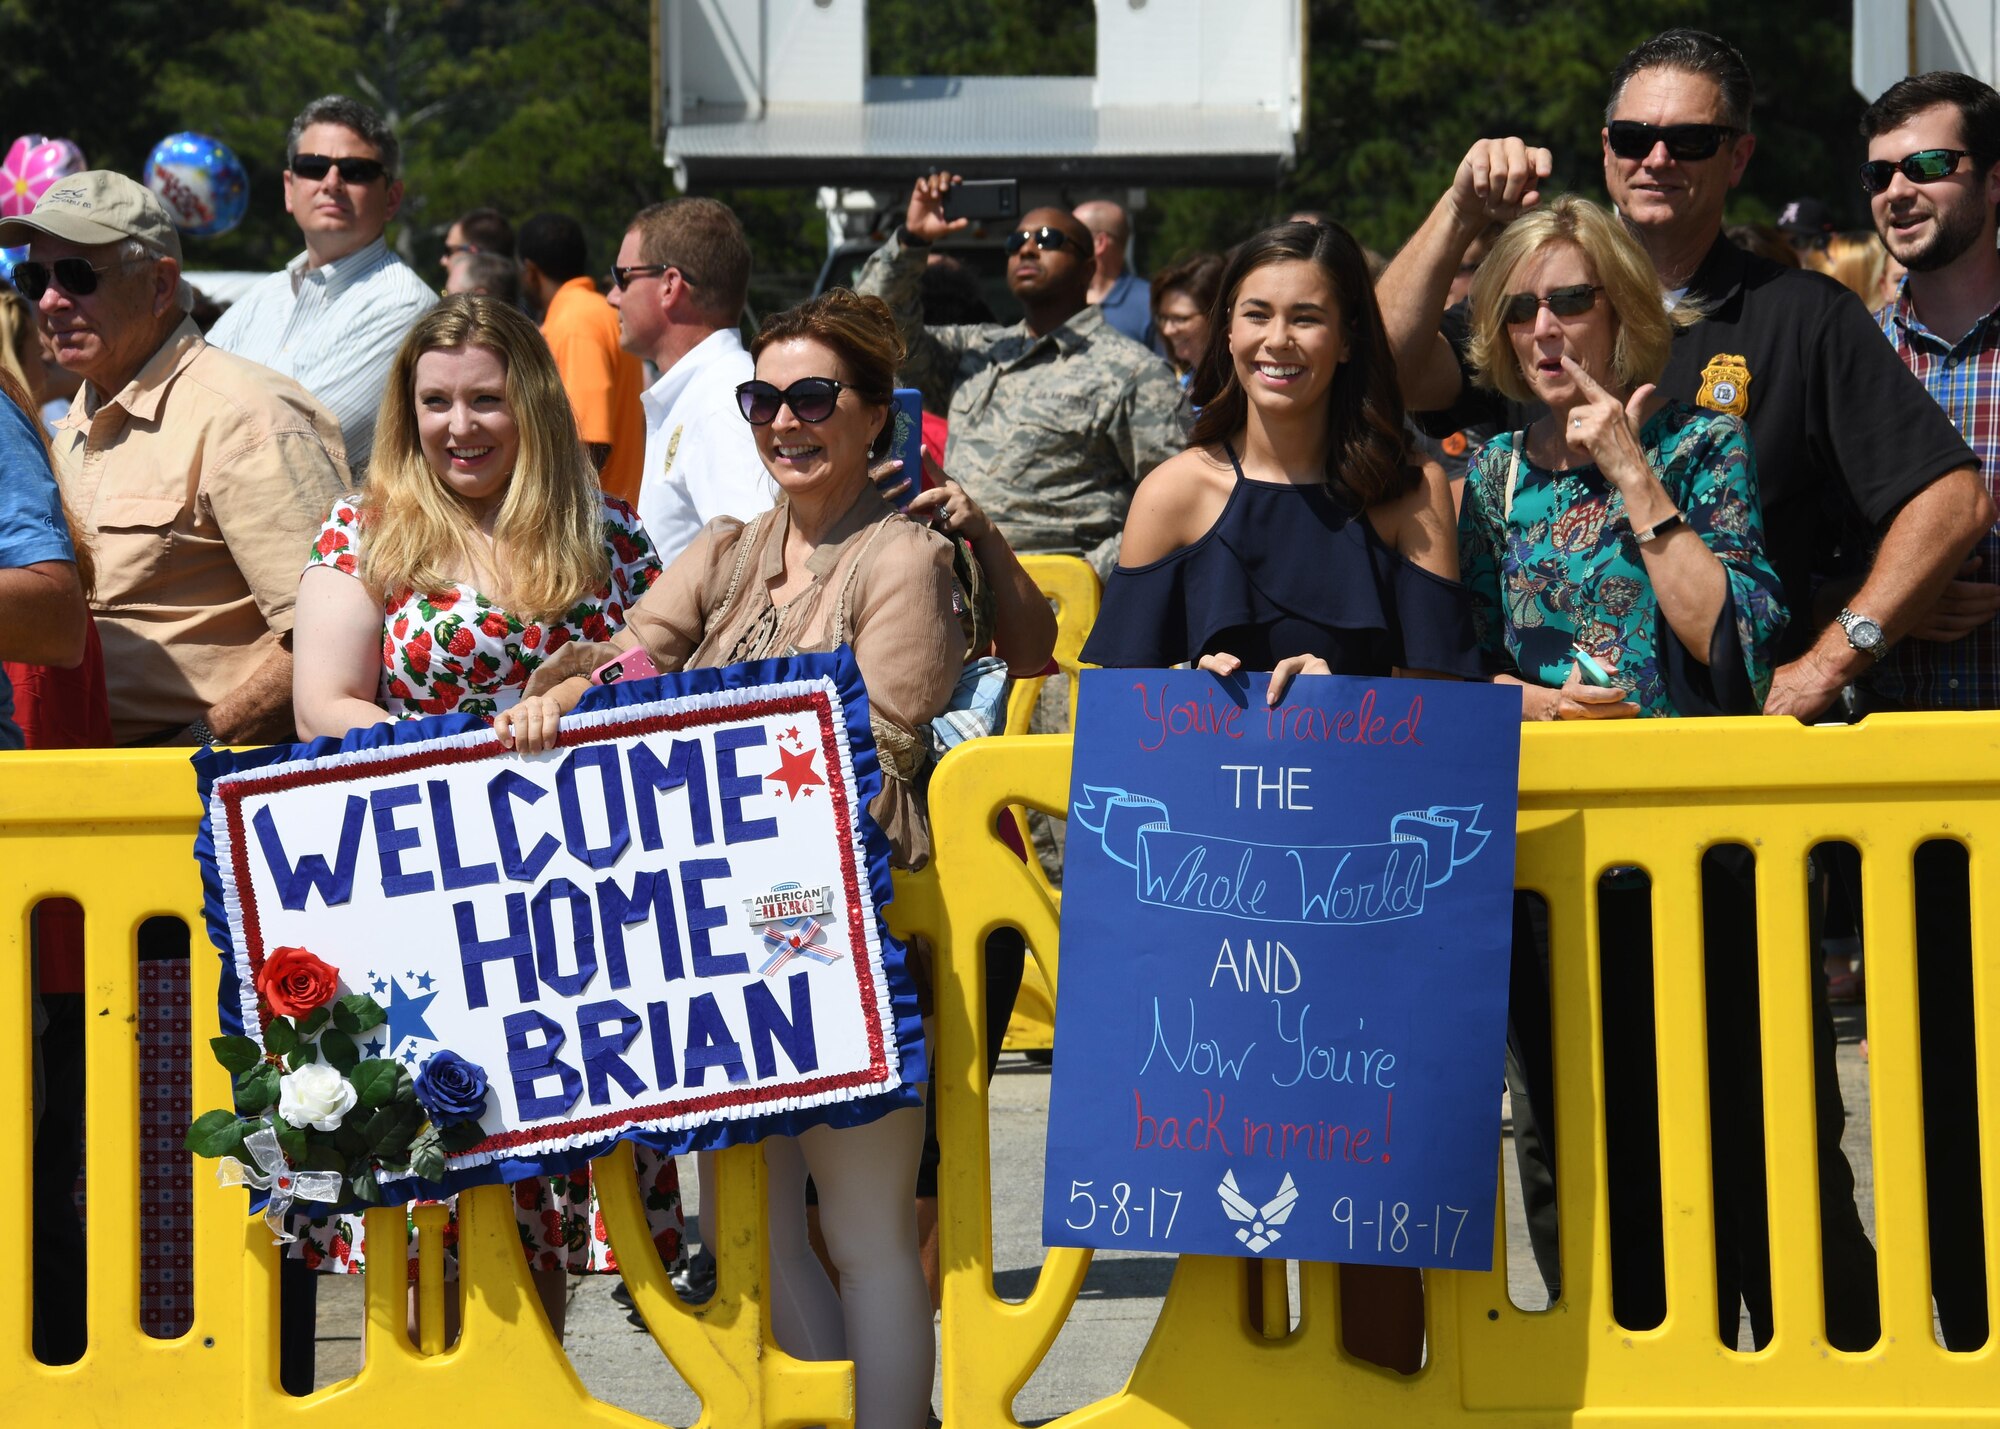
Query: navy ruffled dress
(1286, 570)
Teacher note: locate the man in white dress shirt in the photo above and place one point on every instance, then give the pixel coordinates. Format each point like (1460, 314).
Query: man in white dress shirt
(333, 318)
(679, 284)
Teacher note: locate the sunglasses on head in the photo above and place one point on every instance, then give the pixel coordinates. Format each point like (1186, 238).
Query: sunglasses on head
(1570, 302)
(313, 167)
(1926, 166)
(1630, 139)
(75, 276)
(1049, 240)
(812, 399)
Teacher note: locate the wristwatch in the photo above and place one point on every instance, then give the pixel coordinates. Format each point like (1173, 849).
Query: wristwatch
(1863, 634)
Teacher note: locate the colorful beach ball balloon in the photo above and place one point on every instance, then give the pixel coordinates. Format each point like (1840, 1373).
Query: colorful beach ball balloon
(201, 181)
(34, 161)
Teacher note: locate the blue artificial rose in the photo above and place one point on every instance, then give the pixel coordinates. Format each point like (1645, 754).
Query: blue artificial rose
(451, 1089)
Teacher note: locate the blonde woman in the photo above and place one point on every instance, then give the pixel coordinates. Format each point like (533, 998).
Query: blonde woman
(481, 546)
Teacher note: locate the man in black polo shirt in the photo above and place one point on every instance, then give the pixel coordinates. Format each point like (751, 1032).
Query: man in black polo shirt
(1839, 430)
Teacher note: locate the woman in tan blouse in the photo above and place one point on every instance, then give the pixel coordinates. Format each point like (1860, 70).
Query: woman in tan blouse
(831, 563)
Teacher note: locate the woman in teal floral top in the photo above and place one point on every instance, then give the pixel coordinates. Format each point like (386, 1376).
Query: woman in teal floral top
(1617, 524)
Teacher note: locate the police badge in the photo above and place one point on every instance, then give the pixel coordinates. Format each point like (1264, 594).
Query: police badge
(1725, 385)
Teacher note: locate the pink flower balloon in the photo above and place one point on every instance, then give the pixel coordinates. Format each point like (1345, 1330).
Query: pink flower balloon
(33, 163)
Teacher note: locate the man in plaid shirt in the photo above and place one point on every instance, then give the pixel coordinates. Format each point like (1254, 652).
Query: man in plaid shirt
(1933, 179)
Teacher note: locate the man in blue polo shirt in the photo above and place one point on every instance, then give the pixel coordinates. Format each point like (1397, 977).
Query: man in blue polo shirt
(1125, 297)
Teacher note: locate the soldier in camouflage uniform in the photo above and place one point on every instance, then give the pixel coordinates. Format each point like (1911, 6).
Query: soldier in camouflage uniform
(1053, 419)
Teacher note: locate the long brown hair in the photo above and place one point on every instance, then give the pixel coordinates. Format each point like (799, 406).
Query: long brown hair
(549, 539)
(1366, 454)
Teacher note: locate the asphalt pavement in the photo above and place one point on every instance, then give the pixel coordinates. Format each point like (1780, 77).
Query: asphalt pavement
(1108, 1327)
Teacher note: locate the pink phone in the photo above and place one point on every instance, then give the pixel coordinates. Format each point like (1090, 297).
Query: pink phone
(634, 664)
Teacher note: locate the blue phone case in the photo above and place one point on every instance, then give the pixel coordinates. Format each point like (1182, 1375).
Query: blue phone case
(908, 447)
(1593, 672)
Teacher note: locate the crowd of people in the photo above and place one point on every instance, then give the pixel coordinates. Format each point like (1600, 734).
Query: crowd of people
(1624, 459)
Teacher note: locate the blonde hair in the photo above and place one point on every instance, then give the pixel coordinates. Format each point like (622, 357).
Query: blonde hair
(1631, 289)
(1858, 262)
(549, 538)
(17, 331)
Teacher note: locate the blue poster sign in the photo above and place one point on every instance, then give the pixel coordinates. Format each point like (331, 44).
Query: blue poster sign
(1285, 931)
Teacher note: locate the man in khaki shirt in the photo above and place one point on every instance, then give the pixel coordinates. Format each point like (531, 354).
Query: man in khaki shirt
(201, 477)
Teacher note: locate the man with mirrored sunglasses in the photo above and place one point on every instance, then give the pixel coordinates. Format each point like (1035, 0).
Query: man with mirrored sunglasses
(1052, 420)
(1933, 182)
(334, 316)
(1836, 426)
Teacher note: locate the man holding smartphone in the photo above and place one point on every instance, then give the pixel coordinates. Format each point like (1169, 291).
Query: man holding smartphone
(1054, 419)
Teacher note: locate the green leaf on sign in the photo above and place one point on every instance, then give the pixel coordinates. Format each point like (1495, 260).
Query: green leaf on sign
(215, 1133)
(237, 1054)
(427, 1161)
(314, 1020)
(461, 1136)
(340, 1052)
(257, 1089)
(392, 1129)
(358, 1012)
(321, 1157)
(280, 1037)
(292, 1139)
(377, 1081)
(366, 1189)
(300, 1055)
(349, 1138)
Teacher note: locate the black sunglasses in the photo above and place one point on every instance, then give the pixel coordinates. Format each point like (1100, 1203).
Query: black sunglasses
(1630, 139)
(313, 167)
(812, 399)
(1926, 166)
(622, 277)
(1049, 240)
(74, 276)
(1573, 301)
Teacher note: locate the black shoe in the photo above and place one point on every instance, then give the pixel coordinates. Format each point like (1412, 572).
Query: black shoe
(695, 1281)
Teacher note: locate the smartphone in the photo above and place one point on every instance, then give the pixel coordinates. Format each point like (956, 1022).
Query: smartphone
(983, 198)
(634, 664)
(1593, 673)
(907, 412)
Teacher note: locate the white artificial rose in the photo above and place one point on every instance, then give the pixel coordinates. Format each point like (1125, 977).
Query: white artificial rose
(316, 1095)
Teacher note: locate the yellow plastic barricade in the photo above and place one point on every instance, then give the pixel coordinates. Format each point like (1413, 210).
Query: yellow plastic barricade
(114, 831)
(1073, 588)
(1657, 795)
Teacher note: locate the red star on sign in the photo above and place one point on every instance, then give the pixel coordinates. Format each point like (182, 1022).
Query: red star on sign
(795, 771)
(793, 734)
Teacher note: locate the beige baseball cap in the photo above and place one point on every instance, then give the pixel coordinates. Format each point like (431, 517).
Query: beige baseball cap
(97, 206)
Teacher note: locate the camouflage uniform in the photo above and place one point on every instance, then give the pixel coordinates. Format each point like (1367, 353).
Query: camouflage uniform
(1049, 434)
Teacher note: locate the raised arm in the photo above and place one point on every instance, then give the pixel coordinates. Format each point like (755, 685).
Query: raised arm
(1497, 180)
(895, 274)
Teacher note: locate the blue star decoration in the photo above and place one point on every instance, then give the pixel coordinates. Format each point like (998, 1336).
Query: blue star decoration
(380, 986)
(372, 1047)
(409, 1055)
(406, 1015)
(424, 982)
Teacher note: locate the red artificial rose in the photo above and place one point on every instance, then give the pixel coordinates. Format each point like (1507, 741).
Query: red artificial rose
(293, 982)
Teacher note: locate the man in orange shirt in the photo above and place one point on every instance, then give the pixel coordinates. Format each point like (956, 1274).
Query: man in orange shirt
(602, 379)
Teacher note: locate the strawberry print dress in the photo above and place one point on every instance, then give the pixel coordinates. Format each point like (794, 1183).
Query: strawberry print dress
(455, 651)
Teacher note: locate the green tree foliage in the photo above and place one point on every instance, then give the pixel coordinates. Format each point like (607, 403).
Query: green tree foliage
(527, 105)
